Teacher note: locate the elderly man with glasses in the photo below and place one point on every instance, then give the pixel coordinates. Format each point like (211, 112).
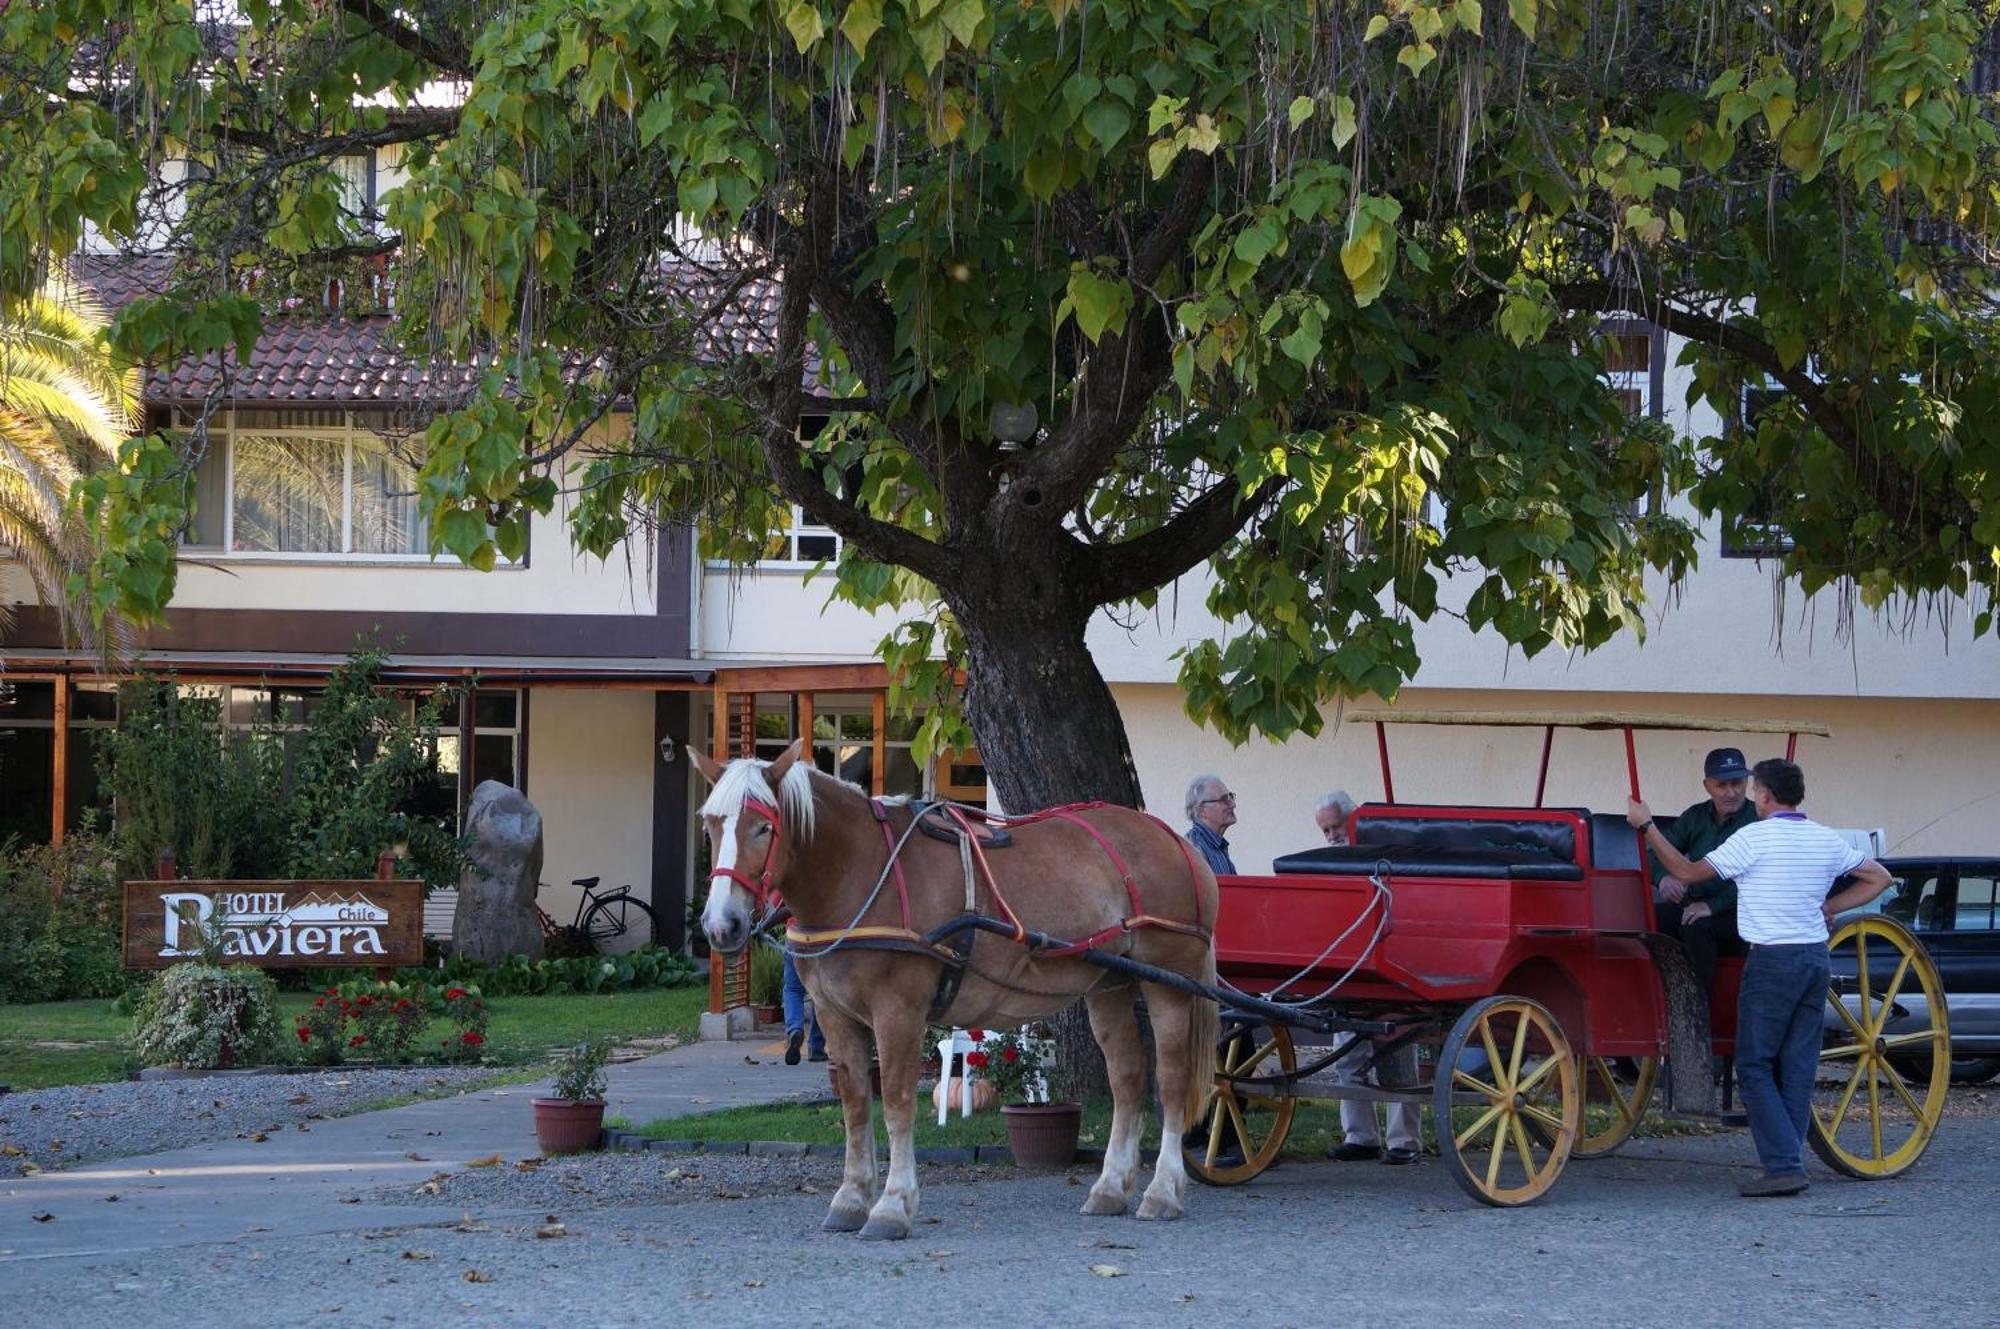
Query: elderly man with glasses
(1211, 810)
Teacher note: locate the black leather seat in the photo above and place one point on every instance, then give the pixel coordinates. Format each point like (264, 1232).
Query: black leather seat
(1419, 860)
(1546, 839)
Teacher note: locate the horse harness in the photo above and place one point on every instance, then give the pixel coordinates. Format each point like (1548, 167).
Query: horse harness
(951, 942)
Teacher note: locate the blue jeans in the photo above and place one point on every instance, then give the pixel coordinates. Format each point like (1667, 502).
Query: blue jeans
(795, 1009)
(1780, 1014)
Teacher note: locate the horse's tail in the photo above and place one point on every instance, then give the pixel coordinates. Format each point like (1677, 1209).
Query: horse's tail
(1204, 1029)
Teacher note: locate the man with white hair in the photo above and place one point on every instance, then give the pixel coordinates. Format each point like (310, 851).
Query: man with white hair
(1211, 811)
(1361, 1132)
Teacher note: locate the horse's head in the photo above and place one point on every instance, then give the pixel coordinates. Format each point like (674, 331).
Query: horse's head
(756, 816)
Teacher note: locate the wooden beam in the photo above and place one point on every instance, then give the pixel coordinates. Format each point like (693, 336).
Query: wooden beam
(804, 678)
(719, 695)
(59, 795)
(804, 701)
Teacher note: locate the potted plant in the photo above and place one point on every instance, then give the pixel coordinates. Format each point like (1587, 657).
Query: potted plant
(767, 984)
(572, 1119)
(1020, 1064)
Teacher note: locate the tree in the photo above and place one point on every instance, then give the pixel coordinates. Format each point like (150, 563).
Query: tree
(1310, 292)
(66, 404)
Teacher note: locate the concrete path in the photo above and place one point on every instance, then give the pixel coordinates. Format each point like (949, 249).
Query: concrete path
(294, 1183)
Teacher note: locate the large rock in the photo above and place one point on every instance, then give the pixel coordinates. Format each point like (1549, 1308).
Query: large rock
(496, 895)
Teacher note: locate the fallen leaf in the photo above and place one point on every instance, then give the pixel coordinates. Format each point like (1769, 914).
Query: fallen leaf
(10, 1150)
(1184, 1297)
(298, 1099)
(752, 1061)
(806, 1188)
(701, 1100)
(415, 1157)
(753, 1282)
(528, 1165)
(1107, 1245)
(152, 1172)
(673, 1174)
(258, 1137)
(29, 1169)
(477, 1276)
(111, 1198)
(350, 1199)
(43, 1218)
(416, 1255)
(547, 1230)
(491, 1160)
(721, 1194)
(939, 1255)
(1107, 1271)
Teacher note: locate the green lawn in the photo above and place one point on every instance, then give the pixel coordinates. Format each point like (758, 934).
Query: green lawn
(83, 1042)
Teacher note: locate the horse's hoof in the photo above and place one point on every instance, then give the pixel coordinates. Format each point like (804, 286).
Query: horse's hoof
(844, 1220)
(1162, 1210)
(1102, 1205)
(885, 1229)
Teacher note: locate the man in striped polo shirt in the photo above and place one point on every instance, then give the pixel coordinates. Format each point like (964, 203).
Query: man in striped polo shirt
(1784, 867)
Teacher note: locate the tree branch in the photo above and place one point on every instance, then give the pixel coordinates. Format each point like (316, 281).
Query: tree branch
(384, 25)
(1175, 547)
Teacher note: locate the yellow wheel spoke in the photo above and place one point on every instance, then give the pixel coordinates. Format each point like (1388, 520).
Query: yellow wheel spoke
(1522, 1148)
(1874, 1110)
(1547, 1119)
(1520, 1046)
(1895, 1079)
(1912, 1040)
(1841, 1053)
(1847, 1097)
(1480, 1087)
(1889, 993)
(1493, 1161)
(1214, 1138)
(1236, 1120)
(1847, 1018)
(1492, 1054)
(1535, 1077)
(1478, 1126)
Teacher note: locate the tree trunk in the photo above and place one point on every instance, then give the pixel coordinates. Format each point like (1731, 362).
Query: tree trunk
(1049, 733)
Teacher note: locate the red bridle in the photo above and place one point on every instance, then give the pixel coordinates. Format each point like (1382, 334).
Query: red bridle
(760, 886)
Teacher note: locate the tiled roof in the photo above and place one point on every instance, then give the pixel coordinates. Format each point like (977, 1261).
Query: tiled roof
(337, 360)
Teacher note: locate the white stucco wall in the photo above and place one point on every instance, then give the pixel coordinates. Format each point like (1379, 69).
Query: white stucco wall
(590, 772)
(1925, 771)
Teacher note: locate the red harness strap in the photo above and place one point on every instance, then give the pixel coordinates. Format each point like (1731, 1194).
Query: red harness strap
(760, 886)
(875, 805)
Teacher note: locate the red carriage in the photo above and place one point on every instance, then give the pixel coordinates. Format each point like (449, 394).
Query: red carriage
(1517, 947)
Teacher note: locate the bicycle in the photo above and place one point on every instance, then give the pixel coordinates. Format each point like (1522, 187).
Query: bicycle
(601, 919)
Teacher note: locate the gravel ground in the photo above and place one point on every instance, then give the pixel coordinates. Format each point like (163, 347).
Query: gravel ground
(50, 1128)
(619, 1179)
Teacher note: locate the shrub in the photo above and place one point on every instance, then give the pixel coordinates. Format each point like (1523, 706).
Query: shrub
(580, 1071)
(517, 976)
(466, 1009)
(180, 785)
(200, 1015)
(374, 1025)
(58, 949)
(767, 975)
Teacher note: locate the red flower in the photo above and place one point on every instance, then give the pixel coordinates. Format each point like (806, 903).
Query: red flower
(333, 992)
(977, 1060)
(365, 1001)
(357, 1040)
(474, 1037)
(453, 994)
(1010, 1054)
(403, 1003)
(305, 1034)
(976, 1035)
(319, 1002)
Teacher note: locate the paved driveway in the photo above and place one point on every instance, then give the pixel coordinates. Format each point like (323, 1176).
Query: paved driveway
(1653, 1236)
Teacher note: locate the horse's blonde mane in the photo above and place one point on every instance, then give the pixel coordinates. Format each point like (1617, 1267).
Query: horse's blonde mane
(745, 777)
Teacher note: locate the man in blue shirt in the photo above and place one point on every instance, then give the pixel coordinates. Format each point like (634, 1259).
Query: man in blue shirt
(1211, 810)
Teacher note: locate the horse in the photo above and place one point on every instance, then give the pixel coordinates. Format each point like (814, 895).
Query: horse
(871, 906)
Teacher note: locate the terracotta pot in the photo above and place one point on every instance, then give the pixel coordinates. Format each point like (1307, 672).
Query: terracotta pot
(565, 1126)
(1043, 1135)
(767, 1012)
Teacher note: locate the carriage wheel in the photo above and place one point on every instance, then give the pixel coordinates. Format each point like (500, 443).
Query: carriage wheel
(1870, 1118)
(1510, 1147)
(1612, 1107)
(1236, 1112)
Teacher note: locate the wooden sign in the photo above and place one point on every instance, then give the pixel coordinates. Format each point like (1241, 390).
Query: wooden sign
(276, 924)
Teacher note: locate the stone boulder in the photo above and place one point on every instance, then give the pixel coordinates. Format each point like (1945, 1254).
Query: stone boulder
(496, 894)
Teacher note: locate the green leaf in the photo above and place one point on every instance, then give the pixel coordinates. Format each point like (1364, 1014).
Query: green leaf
(862, 21)
(1344, 123)
(802, 20)
(1100, 302)
(963, 17)
(1376, 27)
(1525, 13)
(1108, 122)
(1301, 110)
(1470, 16)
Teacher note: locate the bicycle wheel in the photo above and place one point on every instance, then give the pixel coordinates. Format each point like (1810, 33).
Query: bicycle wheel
(613, 918)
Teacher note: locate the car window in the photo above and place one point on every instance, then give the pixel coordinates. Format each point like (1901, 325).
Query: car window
(1913, 900)
(1975, 901)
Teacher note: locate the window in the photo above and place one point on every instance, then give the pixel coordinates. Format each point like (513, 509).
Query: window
(1914, 900)
(1754, 534)
(27, 759)
(308, 482)
(1975, 902)
(802, 542)
(843, 740)
(1635, 366)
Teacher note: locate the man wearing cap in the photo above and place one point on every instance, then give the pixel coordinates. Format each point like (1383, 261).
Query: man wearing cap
(1702, 915)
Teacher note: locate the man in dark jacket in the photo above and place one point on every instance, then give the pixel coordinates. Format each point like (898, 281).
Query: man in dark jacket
(1702, 915)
